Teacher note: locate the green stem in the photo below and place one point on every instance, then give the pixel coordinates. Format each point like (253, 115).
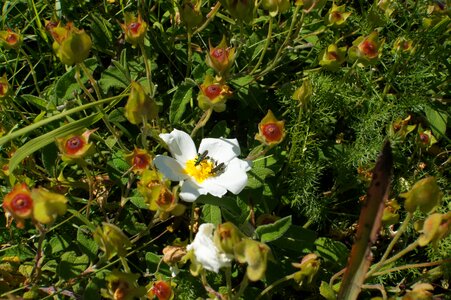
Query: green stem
(125, 264)
(33, 73)
(392, 244)
(190, 52)
(203, 120)
(91, 79)
(210, 17)
(274, 284)
(243, 285)
(191, 222)
(228, 273)
(265, 47)
(85, 168)
(36, 271)
(412, 266)
(148, 68)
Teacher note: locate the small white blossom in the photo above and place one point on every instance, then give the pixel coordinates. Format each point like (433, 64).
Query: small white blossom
(205, 250)
(214, 169)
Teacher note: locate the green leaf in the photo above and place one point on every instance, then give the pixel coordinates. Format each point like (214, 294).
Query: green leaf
(113, 77)
(83, 219)
(38, 102)
(86, 242)
(326, 291)
(67, 85)
(437, 120)
(211, 214)
(45, 139)
(274, 231)
(58, 243)
(72, 265)
(181, 98)
(49, 156)
(332, 251)
(257, 176)
(296, 239)
(226, 202)
(153, 263)
(138, 201)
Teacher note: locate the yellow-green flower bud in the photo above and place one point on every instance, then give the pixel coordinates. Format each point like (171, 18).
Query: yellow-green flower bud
(309, 267)
(270, 130)
(47, 205)
(75, 146)
(111, 240)
(242, 10)
(226, 236)
(420, 291)
(436, 227)
(10, 39)
(303, 93)
(134, 29)
(213, 94)
(190, 13)
(122, 286)
(255, 254)
(332, 57)
(221, 57)
(403, 45)
(71, 45)
(425, 195)
(4, 87)
(337, 15)
(140, 106)
(276, 7)
(390, 215)
(366, 50)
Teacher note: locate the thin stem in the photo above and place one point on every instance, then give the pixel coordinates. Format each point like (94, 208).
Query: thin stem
(210, 17)
(392, 244)
(244, 283)
(336, 275)
(274, 284)
(265, 47)
(36, 271)
(378, 287)
(228, 273)
(85, 168)
(125, 264)
(91, 79)
(148, 68)
(203, 120)
(33, 73)
(412, 266)
(191, 222)
(190, 52)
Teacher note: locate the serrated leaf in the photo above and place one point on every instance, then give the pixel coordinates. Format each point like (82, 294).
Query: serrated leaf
(271, 232)
(211, 214)
(45, 139)
(86, 242)
(72, 265)
(181, 98)
(113, 78)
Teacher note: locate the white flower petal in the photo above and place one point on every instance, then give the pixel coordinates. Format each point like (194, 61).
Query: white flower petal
(205, 250)
(212, 187)
(221, 150)
(170, 168)
(191, 191)
(234, 177)
(180, 144)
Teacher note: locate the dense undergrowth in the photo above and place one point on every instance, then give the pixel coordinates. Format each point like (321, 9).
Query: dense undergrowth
(96, 96)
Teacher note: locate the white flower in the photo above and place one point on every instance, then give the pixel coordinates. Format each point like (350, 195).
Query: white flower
(205, 250)
(214, 169)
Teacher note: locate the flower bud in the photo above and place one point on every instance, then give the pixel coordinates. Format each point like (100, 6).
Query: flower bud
(309, 267)
(420, 291)
(122, 286)
(255, 254)
(270, 131)
(160, 289)
(111, 240)
(48, 205)
(425, 138)
(139, 159)
(425, 195)
(400, 127)
(276, 7)
(387, 6)
(140, 106)
(366, 50)
(190, 13)
(226, 236)
(213, 94)
(10, 39)
(75, 146)
(71, 45)
(435, 227)
(173, 254)
(4, 87)
(242, 10)
(390, 215)
(332, 57)
(221, 57)
(337, 15)
(404, 45)
(19, 203)
(134, 29)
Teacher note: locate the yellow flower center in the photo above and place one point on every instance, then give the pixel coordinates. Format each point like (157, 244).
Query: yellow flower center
(200, 170)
